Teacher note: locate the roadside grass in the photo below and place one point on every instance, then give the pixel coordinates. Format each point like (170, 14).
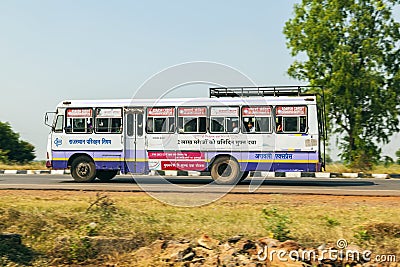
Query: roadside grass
(394, 168)
(42, 217)
(35, 165)
(340, 168)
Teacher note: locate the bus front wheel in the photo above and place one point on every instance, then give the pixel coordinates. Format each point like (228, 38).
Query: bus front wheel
(83, 169)
(107, 175)
(225, 171)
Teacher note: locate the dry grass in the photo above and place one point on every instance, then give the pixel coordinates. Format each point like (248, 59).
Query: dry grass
(337, 167)
(37, 165)
(42, 216)
(395, 168)
(340, 168)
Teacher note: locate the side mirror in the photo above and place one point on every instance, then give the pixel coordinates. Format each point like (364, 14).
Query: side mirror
(46, 119)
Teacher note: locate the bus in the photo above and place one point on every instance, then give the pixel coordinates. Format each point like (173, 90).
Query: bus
(236, 130)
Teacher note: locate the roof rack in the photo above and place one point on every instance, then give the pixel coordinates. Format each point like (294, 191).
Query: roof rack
(290, 90)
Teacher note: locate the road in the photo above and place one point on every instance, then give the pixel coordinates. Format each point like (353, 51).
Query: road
(329, 186)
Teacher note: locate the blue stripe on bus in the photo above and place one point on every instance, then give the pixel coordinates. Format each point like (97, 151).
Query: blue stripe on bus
(117, 161)
(278, 167)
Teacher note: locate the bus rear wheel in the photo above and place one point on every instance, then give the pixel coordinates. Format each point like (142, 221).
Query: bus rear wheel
(106, 175)
(83, 169)
(225, 171)
(244, 175)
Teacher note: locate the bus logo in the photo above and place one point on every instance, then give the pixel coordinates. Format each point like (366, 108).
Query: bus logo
(58, 142)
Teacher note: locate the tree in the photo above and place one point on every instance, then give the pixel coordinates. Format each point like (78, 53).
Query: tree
(12, 148)
(398, 156)
(351, 48)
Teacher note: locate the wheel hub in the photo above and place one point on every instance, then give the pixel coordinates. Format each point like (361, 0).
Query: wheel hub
(224, 170)
(83, 169)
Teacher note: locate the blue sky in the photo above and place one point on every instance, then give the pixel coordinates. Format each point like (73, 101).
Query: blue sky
(55, 50)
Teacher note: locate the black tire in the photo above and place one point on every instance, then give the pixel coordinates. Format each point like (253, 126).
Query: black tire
(106, 175)
(244, 175)
(83, 169)
(225, 171)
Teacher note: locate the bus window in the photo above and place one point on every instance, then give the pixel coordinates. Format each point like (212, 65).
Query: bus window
(188, 125)
(139, 123)
(257, 119)
(291, 119)
(192, 119)
(150, 125)
(79, 120)
(160, 120)
(248, 125)
(129, 124)
(278, 123)
(160, 125)
(79, 125)
(303, 124)
(290, 124)
(263, 125)
(217, 125)
(171, 123)
(116, 125)
(232, 125)
(102, 125)
(224, 119)
(59, 125)
(108, 120)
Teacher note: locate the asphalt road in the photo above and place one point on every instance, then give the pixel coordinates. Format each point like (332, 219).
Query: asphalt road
(330, 186)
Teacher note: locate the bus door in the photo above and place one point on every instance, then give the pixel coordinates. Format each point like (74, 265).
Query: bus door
(134, 145)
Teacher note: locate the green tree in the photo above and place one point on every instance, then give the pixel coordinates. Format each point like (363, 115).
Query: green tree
(398, 156)
(351, 48)
(12, 148)
(3, 156)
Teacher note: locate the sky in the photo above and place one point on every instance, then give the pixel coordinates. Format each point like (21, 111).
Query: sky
(56, 50)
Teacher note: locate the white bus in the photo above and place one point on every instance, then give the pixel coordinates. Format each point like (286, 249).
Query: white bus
(234, 132)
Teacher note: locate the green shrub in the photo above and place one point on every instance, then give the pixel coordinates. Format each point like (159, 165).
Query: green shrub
(330, 222)
(277, 224)
(104, 206)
